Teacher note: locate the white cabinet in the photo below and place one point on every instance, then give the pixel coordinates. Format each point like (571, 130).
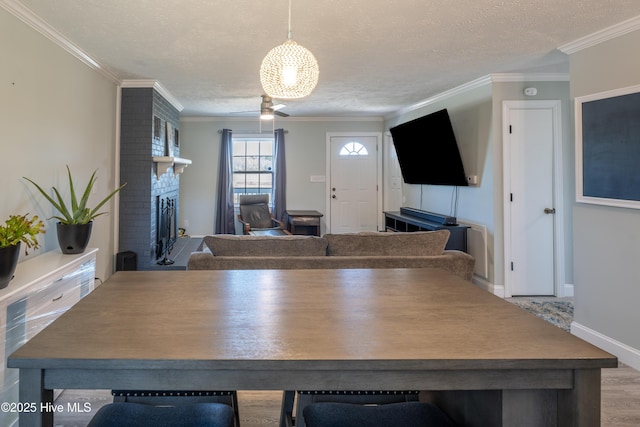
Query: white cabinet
(44, 287)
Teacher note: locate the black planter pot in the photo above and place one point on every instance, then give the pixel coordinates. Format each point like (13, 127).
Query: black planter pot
(73, 238)
(8, 261)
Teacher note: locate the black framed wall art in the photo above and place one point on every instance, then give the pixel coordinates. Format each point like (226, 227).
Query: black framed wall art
(608, 148)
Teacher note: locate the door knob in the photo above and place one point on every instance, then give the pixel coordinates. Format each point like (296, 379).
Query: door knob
(549, 211)
(333, 197)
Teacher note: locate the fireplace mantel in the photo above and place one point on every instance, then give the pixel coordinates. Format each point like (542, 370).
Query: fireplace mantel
(165, 162)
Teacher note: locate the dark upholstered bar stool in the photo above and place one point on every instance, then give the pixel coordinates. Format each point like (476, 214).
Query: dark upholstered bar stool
(179, 397)
(121, 414)
(303, 398)
(406, 414)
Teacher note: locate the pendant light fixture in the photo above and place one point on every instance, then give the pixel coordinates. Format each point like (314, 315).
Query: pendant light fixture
(289, 71)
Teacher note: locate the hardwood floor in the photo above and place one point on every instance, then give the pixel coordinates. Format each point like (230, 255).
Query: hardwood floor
(620, 397)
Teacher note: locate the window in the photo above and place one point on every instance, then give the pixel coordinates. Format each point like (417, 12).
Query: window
(252, 166)
(353, 149)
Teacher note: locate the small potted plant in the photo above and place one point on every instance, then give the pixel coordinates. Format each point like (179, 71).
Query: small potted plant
(75, 219)
(16, 230)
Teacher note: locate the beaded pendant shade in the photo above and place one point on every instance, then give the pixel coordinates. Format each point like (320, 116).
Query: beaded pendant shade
(289, 71)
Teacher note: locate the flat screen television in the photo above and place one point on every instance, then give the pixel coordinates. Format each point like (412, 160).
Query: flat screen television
(428, 152)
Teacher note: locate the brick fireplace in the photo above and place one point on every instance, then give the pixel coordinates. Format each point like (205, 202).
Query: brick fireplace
(150, 206)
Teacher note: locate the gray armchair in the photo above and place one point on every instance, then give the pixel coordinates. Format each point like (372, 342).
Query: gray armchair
(255, 215)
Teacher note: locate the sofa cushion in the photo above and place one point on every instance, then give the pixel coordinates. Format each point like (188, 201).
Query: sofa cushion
(456, 262)
(425, 243)
(272, 246)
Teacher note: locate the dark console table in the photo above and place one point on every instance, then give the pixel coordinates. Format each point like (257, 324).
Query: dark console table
(411, 219)
(304, 222)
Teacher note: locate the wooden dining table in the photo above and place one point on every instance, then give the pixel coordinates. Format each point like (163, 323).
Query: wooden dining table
(484, 361)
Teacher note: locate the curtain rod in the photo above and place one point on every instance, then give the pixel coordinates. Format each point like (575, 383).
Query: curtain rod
(251, 131)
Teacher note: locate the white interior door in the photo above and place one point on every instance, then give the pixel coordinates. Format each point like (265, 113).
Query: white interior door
(353, 183)
(530, 205)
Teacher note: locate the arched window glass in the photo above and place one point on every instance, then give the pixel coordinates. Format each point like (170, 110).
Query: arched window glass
(353, 149)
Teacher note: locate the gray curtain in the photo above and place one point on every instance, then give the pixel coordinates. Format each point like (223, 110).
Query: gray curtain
(279, 176)
(225, 215)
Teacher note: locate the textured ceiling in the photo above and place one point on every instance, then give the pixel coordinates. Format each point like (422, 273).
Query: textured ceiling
(375, 57)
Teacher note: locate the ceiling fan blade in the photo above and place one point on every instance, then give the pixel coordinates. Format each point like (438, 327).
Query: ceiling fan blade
(265, 107)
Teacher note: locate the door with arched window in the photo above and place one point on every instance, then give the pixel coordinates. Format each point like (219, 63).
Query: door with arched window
(353, 183)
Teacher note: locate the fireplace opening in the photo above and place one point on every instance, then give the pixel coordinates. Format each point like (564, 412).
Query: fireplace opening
(167, 230)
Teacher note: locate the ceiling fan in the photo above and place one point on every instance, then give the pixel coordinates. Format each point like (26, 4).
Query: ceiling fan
(267, 109)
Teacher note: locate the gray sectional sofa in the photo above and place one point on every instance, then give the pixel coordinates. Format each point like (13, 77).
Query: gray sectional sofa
(357, 250)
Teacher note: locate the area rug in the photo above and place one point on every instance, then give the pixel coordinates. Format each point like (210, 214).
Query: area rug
(558, 312)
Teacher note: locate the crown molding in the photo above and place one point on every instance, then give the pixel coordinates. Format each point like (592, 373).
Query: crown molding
(598, 37)
(153, 84)
(480, 82)
(529, 77)
(27, 16)
(474, 84)
(332, 119)
(280, 119)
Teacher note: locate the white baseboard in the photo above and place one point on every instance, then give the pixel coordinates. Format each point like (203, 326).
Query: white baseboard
(498, 290)
(567, 290)
(483, 283)
(625, 354)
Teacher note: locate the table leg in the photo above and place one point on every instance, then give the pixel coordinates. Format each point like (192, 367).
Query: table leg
(529, 408)
(576, 407)
(286, 413)
(36, 399)
(580, 406)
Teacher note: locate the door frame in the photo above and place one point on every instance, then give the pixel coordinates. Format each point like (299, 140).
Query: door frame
(378, 136)
(392, 197)
(558, 188)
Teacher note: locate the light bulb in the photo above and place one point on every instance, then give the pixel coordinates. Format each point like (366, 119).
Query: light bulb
(289, 75)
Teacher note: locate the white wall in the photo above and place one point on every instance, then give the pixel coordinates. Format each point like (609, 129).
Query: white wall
(305, 151)
(607, 239)
(471, 114)
(514, 91)
(476, 116)
(54, 111)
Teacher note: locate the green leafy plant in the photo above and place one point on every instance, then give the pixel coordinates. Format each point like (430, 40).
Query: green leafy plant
(76, 212)
(19, 228)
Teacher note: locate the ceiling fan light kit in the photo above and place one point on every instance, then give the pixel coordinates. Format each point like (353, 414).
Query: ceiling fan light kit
(266, 114)
(289, 70)
(268, 110)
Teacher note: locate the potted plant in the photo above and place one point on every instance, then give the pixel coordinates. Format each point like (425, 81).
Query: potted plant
(75, 219)
(16, 230)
